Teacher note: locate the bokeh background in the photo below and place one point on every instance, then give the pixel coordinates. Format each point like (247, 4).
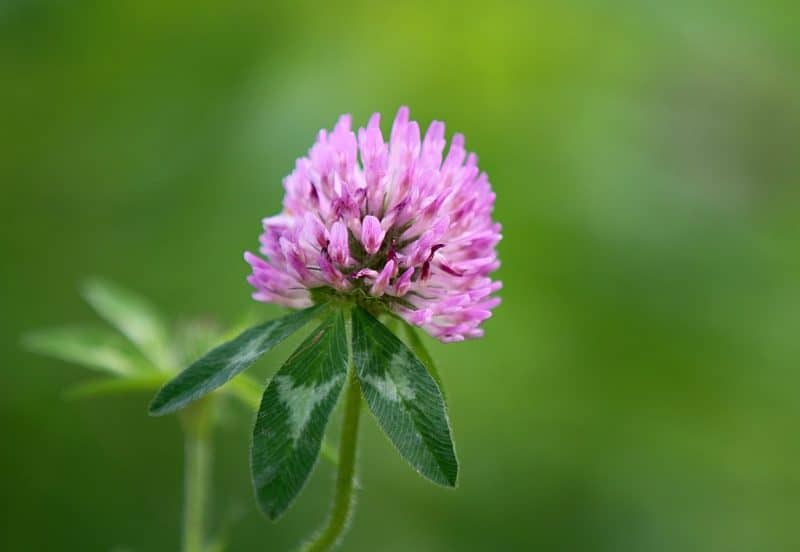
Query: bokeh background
(639, 387)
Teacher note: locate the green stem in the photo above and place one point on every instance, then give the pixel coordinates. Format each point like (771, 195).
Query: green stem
(197, 473)
(343, 498)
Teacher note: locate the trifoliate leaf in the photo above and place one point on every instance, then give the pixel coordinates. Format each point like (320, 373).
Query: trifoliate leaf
(94, 348)
(294, 413)
(404, 398)
(224, 362)
(135, 317)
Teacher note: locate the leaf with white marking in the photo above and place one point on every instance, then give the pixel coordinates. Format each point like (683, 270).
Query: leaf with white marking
(224, 362)
(294, 412)
(404, 398)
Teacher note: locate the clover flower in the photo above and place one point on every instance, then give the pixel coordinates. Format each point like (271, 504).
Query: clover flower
(396, 225)
(367, 228)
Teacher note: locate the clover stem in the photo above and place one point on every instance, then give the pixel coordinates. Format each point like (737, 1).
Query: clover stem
(196, 421)
(343, 500)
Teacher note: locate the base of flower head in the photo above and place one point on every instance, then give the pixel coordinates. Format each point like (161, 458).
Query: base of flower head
(361, 297)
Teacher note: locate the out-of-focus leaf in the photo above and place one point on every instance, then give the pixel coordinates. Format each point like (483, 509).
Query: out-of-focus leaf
(194, 337)
(294, 413)
(226, 361)
(135, 317)
(416, 344)
(115, 386)
(404, 398)
(216, 545)
(92, 347)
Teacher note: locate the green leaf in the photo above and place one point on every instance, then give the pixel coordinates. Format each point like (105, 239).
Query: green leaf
(114, 386)
(95, 348)
(224, 362)
(416, 344)
(249, 393)
(294, 413)
(404, 398)
(193, 338)
(135, 317)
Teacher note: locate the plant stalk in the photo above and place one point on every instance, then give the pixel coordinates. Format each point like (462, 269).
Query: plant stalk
(196, 421)
(343, 499)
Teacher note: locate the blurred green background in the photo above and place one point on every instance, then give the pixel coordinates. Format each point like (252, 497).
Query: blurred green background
(639, 387)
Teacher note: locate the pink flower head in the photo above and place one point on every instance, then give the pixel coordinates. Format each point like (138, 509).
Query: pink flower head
(406, 228)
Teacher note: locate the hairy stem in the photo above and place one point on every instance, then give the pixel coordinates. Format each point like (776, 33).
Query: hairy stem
(197, 474)
(343, 497)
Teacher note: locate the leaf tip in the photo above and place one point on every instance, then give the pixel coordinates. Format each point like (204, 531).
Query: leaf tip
(446, 477)
(160, 406)
(269, 506)
(90, 285)
(34, 341)
(273, 515)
